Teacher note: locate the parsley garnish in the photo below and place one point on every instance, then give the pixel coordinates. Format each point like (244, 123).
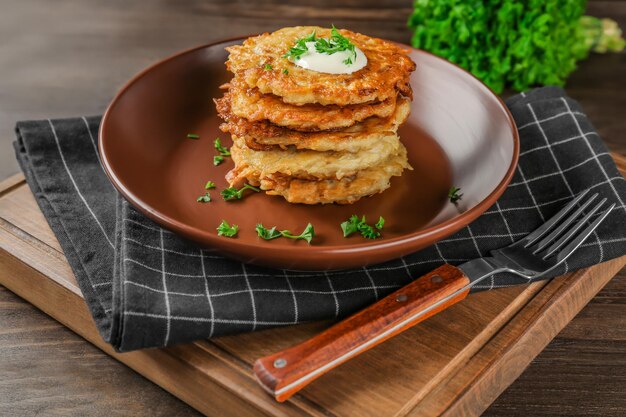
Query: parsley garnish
(354, 224)
(454, 195)
(193, 136)
(268, 234)
(218, 160)
(224, 229)
(231, 193)
(336, 43)
(209, 185)
(300, 47)
(285, 71)
(221, 149)
(267, 67)
(204, 198)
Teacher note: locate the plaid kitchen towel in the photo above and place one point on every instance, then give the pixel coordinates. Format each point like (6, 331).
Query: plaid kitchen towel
(147, 287)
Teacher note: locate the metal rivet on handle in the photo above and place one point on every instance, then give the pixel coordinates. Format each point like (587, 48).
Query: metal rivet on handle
(280, 363)
(401, 298)
(436, 279)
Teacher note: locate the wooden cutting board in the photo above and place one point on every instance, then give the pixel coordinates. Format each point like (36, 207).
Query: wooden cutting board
(455, 363)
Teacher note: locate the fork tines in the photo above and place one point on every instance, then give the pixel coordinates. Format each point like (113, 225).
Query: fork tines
(561, 234)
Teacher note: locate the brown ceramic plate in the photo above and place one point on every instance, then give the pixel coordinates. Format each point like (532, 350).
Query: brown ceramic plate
(459, 133)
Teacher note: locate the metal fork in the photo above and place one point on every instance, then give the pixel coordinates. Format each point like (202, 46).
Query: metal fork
(544, 249)
(284, 373)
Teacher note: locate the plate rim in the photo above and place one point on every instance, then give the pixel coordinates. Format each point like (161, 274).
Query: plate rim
(443, 229)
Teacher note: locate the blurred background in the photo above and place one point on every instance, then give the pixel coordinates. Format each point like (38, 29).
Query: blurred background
(66, 58)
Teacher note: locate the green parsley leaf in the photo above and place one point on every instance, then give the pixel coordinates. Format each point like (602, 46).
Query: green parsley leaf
(218, 160)
(193, 136)
(268, 234)
(453, 195)
(354, 224)
(350, 226)
(307, 234)
(300, 48)
(224, 229)
(209, 185)
(204, 198)
(285, 71)
(231, 193)
(267, 67)
(221, 149)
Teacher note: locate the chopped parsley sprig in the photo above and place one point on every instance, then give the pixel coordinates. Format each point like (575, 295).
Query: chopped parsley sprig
(231, 193)
(354, 224)
(206, 198)
(300, 48)
(336, 43)
(221, 149)
(225, 229)
(268, 234)
(453, 195)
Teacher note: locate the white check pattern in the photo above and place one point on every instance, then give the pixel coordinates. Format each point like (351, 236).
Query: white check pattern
(147, 287)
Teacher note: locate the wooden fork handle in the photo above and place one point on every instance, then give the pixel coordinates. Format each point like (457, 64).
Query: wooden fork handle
(285, 373)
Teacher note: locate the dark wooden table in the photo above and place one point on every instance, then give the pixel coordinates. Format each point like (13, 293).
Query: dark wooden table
(68, 57)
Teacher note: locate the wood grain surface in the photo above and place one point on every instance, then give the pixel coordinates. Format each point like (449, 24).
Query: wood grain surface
(69, 59)
(397, 312)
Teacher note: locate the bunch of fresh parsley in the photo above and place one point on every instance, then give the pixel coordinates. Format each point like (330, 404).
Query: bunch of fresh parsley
(512, 43)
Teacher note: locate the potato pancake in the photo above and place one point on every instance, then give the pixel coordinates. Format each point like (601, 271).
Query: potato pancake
(251, 104)
(360, 137)
(348, 190)
(261, 64)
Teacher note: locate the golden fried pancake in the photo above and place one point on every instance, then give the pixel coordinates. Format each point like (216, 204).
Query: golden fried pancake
(312, 164)
(260, 63)
(250, 104)
(362, 136)
(345, 191)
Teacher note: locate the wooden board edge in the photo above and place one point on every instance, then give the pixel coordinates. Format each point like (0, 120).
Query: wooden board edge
(190, 382)
(9, 184)
(527, 335)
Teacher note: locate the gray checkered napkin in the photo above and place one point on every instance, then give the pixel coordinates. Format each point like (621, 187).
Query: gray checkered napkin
(147, 287)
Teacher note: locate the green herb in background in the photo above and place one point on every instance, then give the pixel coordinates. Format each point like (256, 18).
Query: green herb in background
(193, 136)
(509, 43)
(209, 185)
(354, 224)
(218, 160)
(453, 195)
(268, 234)
(224, 229)
(206, 198)
(231, 193)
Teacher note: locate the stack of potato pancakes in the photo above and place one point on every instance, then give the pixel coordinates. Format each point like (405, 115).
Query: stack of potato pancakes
(314, 137)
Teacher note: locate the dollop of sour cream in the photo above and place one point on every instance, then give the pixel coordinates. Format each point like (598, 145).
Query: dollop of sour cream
(331, 64)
